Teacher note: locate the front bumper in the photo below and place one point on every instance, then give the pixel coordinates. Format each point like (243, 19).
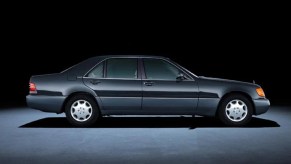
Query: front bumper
(261, 106)
(45, 103)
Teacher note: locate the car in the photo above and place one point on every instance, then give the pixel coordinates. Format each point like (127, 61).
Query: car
(142, 85)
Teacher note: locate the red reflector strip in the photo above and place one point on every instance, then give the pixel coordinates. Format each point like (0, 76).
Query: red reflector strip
(32, 88)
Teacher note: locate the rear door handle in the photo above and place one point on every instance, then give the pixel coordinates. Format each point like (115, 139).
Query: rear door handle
(95, 82)
(148, 83)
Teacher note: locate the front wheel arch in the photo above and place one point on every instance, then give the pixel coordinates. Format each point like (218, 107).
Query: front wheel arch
(233, 93)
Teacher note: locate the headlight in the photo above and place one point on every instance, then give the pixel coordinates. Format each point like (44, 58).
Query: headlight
(260, 92)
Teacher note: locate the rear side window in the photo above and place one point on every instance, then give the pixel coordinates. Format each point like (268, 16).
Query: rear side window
(97, 72)
(121, 68)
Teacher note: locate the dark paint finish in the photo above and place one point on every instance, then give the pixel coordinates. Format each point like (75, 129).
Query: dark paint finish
(196, 95)
(117, 94)
(175, 96)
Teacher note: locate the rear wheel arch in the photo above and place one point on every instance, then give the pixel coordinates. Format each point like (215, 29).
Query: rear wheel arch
(82, 110)
(78, 93)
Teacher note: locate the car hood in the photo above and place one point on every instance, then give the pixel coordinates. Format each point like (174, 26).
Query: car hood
(227, 81)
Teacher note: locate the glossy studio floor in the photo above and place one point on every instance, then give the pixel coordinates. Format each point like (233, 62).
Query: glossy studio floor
(31, 136)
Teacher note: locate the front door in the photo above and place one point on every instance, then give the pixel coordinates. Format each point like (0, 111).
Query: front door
(166, 89)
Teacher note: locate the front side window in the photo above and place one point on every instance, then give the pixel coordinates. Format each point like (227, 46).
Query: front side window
(160, 69)
(97, 72)
(121, 68)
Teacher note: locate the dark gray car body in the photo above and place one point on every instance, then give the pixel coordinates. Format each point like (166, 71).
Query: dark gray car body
(196, 95)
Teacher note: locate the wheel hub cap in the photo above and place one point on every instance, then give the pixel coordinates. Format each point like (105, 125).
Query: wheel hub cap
(81, 110)
(236, 110)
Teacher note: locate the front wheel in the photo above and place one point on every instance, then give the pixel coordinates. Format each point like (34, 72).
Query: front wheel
(81, 111)
(235, 110)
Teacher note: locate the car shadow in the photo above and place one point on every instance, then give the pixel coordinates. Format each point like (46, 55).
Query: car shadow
(149, 122)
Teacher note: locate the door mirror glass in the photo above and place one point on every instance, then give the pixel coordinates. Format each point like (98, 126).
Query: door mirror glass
(181, 76)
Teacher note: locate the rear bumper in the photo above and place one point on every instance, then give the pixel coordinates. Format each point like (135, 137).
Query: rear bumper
(45, 103)
(261, 106)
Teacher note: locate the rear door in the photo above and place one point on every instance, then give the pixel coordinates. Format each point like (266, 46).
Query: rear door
(164, 91)
(117, 83)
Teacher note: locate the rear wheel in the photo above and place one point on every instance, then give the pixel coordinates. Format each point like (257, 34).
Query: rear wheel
(235, 110)
(82, 111)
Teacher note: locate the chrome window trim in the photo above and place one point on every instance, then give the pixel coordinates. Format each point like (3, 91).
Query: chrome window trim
(112, 78)
(184, 70)
(131, 79)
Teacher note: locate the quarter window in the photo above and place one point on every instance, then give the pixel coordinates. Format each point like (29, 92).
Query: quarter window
(97, 72)
(121, 68)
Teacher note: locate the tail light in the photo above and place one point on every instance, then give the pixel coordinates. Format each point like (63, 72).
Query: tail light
(32, 88)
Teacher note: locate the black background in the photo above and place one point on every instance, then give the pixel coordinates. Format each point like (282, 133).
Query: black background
(245, 44)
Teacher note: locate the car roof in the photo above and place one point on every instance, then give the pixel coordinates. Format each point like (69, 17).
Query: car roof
(81, 68)
(127, 56)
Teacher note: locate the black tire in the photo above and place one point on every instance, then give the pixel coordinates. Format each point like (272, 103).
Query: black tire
(241, 107)
(90, 109)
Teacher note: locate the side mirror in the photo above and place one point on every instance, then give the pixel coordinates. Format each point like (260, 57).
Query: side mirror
(181, 77)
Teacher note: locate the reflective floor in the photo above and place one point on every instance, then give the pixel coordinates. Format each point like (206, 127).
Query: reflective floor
(31, 136)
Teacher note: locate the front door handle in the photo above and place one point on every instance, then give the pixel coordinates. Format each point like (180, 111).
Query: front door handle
(148, 83)
(95, 82)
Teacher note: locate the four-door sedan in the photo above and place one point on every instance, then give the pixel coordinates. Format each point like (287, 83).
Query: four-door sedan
(142, 85)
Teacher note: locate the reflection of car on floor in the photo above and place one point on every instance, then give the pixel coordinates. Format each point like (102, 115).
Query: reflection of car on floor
(142, 85)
